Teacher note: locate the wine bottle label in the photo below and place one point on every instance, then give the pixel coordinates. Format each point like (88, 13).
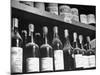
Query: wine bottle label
(85, 62)
(16, 59)
(32, 64)
(47, 64)
(92, 61)
(58, 59)
(78, 60)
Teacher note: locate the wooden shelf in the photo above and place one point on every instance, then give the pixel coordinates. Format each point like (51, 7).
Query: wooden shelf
(50, 72)
(26, 8)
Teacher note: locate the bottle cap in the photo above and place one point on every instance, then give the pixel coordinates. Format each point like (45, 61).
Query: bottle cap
(66, 32)
(88, 38)
(45, 30)
(55, 29)
(31, 27)
(80, 38)
(75, 36)
(15, 22)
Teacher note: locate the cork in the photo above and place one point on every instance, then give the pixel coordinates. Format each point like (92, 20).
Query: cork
(55, 29)
(80, 38)
(45, 30)
(31, 27)
(66, 32)
(15, 22)
(75, 36)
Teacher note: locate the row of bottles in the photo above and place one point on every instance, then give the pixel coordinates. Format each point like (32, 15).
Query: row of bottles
(27, 56)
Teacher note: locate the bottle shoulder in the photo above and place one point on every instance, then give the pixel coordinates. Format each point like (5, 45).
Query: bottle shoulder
(32, 44)
(56, 40)
(16, 35)
(45, 45)
(57, 44)
(67, 47)
(77, 51)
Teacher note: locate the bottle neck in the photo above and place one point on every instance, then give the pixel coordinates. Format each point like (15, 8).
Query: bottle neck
(25, 39)
(56, 35)
(57, 44)
(16, 38)
(67, 43)
(75, 44)
(15, 29)
(17, 34)
(17, 43)
(81, 46)
(67, 40)
(88, 46)
(32, 38)
(24, 36)
(45, 38)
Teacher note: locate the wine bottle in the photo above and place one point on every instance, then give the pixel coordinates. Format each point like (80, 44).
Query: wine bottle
(58, 51)
(32, 50)
(91, 54)
(16, 49)
(68, 53)
(77, 53)
(84, 53)
(46, 53)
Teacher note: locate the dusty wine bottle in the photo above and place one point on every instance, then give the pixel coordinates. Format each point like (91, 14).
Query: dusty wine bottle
(77, 53)
(68, 53)
(84, 53)
(58, 51)
(32, 53)
(46, 53)
(16, 49)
